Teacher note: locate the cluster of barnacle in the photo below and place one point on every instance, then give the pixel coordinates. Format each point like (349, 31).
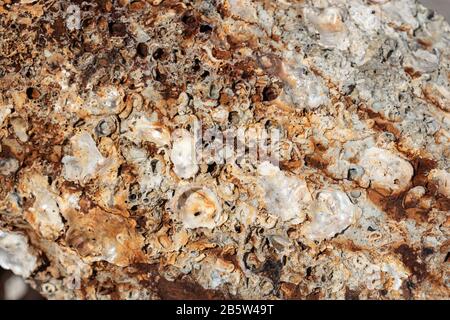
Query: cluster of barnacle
(102, 196)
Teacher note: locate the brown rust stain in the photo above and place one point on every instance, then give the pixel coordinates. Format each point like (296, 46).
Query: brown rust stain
(185, 289)
(394, 205)
(316, 161)
(412, 73)
(351, 294)
(422, 168)
(380, 124)
(410, 257)
(182, 288)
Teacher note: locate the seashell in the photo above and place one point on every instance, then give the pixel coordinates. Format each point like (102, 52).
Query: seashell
(413, 196)
(20, 127)
(73, 19)
(85, 161)
(5, 111)
(8, 166)
(225, 149)
(284, 196)
(183, 154)
(243, 9)
(396, 271)
(106, 126)
(16, 255)
(43, 215)
(333, 32)
(331, 213)
(216, 272)
(99, 235)
(442, 179)
(385, 170)
(197, 207)
(139, 128)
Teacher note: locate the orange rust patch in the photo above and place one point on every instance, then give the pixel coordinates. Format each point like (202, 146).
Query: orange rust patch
(380, 124)
(393, 206)
(422, 167)
(221, 54)
(412, 73)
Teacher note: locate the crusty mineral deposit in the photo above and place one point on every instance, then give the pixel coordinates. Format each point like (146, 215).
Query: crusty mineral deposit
(118, 179)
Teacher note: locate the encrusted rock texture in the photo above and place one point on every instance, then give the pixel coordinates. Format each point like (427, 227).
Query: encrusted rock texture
(100, 193)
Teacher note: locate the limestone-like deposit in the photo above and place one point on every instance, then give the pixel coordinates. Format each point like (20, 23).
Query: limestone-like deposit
(170, 149)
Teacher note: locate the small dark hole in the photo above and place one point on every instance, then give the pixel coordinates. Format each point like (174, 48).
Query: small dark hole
(205, 28)
(188, 18)
(142, 50)
(427, 251)
(158, 54)
(196, 214)
(211, 167)
(32, 93)
(205, 74)
(270, 93)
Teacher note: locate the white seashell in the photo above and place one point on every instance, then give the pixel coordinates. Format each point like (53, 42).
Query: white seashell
(396, 271)
(243, 9)
(183, 154)
(216, 272)
(442, 179)
(331, 213)
(197, 207)
(85, 161)
(5, 111)
(8, 166)
(386, 170)
(20, 127)
(73, 19)
(333, 33)
(284, 196)
(44, 214)
(139, 128)
(15, 254)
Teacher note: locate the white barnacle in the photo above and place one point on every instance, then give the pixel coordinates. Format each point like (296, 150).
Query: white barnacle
(86, 158)
(183, 154)
(15, 254)
(197, 207)
(386, 170)
(73, 19)
(331, 213)
(284, 196)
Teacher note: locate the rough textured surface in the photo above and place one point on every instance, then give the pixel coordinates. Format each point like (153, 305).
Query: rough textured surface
(100, 196)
